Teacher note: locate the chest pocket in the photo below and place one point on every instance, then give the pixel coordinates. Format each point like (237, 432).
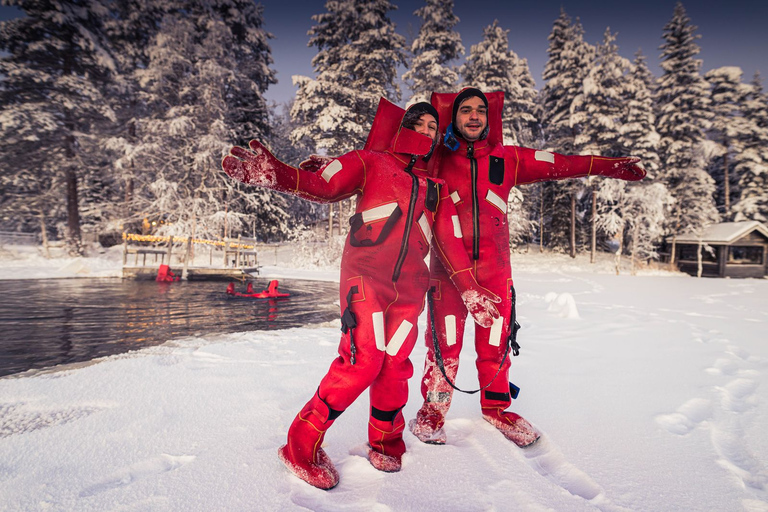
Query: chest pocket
(433, 193)
(390, 211)
(496, 170)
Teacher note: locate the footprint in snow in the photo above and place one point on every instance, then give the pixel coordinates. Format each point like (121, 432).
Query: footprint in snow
(139, 471)
(19, 418)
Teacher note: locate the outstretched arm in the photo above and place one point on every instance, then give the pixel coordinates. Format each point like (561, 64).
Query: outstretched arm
(449, 247)
(336, 180)
(537, 166)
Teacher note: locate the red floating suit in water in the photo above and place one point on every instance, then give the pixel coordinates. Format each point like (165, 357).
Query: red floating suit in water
(270, 293)
(165, 275)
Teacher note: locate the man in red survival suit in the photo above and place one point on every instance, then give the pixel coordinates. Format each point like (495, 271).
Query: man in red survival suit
(384, 277)
(479, 173)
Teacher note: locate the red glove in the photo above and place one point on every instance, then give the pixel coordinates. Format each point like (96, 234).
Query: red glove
(258, 167)
(479, 300)
(623, 168)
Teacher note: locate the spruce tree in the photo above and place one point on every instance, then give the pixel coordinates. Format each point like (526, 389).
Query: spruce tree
(570, 58)
(492, 66)
(728, 130)
(356, 64)
(435, 47)
(751, 164)
(58, 60)
(208, 66)
(682, 117)
(638, 136)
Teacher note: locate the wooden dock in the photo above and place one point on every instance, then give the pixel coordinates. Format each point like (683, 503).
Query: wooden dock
(194, 273)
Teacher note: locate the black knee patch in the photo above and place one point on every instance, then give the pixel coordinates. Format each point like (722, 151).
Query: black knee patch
(384, 415)
(493, 395)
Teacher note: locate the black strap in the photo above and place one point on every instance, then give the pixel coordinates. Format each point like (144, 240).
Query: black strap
(356, 222)
(513, 325)
(439, 354)
(348, 323)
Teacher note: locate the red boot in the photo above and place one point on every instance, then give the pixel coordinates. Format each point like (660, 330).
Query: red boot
(428, 424)
(385, 435)
(513, 426)
(303, 454)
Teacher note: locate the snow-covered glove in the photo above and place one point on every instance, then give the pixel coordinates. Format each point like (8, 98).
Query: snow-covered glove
(257, 166)
(315, 162)
(623, 168)
(480, 301)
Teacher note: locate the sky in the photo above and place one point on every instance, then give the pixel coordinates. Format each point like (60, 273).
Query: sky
(732, 33)
(649, 392)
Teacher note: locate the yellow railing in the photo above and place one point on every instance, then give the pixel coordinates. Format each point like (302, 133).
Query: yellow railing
(135, 237)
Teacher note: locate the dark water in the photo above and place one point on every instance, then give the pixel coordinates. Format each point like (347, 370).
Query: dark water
(53, 321)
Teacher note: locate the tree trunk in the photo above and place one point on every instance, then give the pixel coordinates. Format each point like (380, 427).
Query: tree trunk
(633, 251)
(74, 237)
(330, 221)
(44, 236)
(593, 244)
(573, 224)
(617, 261)
(726, 188)
(699, 265)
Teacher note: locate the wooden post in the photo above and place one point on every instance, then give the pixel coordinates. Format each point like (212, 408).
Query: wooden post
(170, 249)
(188, 252)
(44, 234)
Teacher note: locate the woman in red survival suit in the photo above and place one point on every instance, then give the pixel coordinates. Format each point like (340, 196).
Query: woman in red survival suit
(480, 172)
(383, 276)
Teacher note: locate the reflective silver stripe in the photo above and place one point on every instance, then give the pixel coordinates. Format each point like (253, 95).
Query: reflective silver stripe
(494, 338)
(544, 156)
(330, 170)
(399, 337)
(450, 330)
(378, 330)
(456, 227)
(425, 229)
(493, 198)
(379, 212)
(455, 197)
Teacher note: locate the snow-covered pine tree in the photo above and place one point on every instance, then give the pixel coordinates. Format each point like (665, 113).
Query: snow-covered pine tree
(729, 128)
(682, 102)
(56, 64)
(206, 65)
(569, 61)
(435, 47)
(492, 66)
(751, 164)
(600, 110)
(638, 136)
(356, 64)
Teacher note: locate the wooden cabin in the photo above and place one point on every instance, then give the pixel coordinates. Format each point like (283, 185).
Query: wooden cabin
(728, 249)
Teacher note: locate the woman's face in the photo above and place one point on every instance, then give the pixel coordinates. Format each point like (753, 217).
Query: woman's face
(427, 125)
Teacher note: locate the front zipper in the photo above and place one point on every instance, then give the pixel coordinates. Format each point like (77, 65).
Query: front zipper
(408, 219)
(475, 203)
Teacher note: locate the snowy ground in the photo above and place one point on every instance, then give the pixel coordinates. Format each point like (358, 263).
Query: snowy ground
(650, 392)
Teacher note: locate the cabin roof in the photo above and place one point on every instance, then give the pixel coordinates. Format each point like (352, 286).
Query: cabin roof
(723, 233)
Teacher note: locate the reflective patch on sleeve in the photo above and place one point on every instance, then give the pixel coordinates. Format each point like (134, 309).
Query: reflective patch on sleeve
(330, 170)
(399, 337)
(457, 227)
(450, 330)
(378, 330)
(493, 198)
(455, 197)
(544, 156)
(494, 338)
(425, 229)
(379, 212)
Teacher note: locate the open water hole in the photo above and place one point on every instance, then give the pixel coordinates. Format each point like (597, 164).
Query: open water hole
(54, 321)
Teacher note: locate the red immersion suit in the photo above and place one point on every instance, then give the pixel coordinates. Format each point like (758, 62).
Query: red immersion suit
(383, 281)
(480, 176)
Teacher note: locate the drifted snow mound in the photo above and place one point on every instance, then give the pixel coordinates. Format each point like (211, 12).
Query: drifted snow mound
(562, 305)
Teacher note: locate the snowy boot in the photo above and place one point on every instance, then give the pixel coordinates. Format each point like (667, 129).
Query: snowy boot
(385, 436)
(303, 454)
(513, 426)
(428, 424)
